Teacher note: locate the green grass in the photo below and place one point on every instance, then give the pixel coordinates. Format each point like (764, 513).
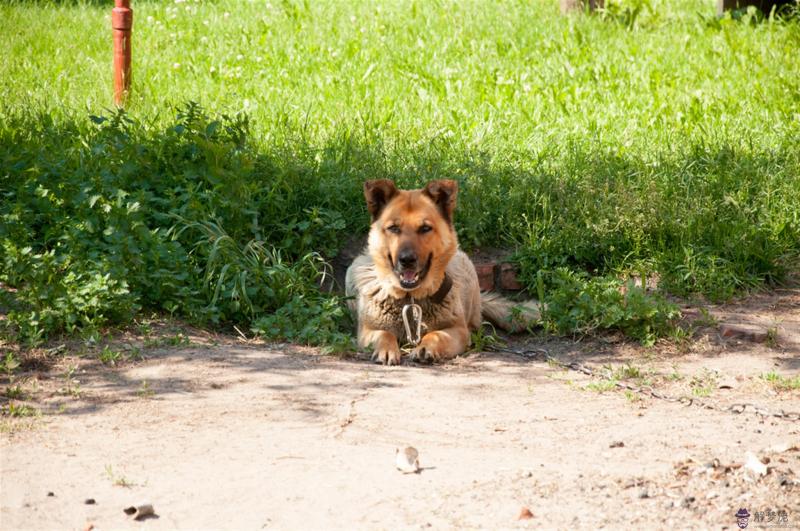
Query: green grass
(780, 382)
(650, 139)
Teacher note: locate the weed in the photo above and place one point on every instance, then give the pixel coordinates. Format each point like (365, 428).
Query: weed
(71, 386)
(772, 337)
(632, 397)
(144, 328)
(675, 375)
(109, 356)
(603, 386)
(178, 340)
(118, 480)
(8, 364)
(780, 382)
(575, 302)
(704, 384)
(313, 320)
(145, 391)
(14, 392)
(135, 354)
(20, 410)
(627, 372)
(485, 337)
(706, 319)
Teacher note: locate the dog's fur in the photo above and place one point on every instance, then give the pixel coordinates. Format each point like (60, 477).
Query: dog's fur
(412, 245)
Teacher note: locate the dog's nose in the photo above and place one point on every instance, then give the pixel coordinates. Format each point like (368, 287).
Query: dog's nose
(407, 258)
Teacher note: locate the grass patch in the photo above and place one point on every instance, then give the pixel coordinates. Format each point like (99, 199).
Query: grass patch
(602, 386)
(704, 384)
(118, 480)
(20, 410)
(780, 382)
(596, 147)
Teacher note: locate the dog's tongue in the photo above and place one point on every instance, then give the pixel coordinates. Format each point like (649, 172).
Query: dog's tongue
(409, 276)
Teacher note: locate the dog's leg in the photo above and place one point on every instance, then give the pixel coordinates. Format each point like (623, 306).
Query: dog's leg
(384, 345)
(441, 345)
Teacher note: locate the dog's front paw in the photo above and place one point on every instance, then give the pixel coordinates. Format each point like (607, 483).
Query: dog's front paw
(437, 346)
(424, 354)
(431, 349)
(386, 356)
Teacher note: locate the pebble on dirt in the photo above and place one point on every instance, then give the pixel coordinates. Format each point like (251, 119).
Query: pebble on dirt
(89, 501)
(407, 460)
(525, 514)
(755, 465)
(616, 444)
(141, 511)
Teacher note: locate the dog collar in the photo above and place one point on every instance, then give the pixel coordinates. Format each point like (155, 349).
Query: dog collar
(444, 289)
(441, 293)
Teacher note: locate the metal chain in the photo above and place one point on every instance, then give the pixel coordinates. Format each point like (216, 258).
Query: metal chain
(737, 409)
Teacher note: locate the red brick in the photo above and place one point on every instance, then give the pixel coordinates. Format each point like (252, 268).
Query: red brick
(746, 332)
(485, 272)
(508, 278)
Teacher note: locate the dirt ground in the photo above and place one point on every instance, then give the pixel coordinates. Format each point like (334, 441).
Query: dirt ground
(225, 433)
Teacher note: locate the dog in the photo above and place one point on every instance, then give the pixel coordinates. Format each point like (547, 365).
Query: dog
(412, 275)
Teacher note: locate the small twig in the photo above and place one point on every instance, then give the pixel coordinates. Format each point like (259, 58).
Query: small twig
(241, 334)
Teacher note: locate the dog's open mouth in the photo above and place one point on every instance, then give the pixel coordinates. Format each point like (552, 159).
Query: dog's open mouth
(411, 278)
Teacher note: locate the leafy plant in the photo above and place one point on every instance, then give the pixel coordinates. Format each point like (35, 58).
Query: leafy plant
(780, 382)
(20, 410)
(9, 363)
(575, 302)
(311, 320)
(654, 167)
(109, 356)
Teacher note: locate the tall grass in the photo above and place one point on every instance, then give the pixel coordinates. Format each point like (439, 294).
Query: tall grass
(652, 138)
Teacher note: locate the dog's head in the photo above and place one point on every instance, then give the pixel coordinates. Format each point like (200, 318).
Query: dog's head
(412, 238)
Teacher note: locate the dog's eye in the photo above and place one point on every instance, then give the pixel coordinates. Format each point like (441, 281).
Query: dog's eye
(425, 228)
(394, 229)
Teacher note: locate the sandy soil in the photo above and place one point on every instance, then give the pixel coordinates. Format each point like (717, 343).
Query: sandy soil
(230, 434)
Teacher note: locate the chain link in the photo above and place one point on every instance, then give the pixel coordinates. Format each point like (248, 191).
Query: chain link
(737, 409)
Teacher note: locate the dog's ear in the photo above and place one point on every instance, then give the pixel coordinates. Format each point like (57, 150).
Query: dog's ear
(378, 193)
(443, 192)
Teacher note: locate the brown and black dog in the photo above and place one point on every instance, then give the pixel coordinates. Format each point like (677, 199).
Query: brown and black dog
(412, 256)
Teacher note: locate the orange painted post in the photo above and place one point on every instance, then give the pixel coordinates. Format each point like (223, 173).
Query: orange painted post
(121, 24)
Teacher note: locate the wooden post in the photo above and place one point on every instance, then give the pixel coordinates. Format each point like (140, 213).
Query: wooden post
(581, 5)
(764, 5)
(121, 24)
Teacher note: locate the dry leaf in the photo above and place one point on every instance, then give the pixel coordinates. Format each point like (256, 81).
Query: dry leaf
(525, 514)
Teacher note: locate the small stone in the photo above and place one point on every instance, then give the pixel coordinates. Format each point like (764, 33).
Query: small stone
(687, 502)
(89, 501)
(616, 444)
(643, 494)
(525, 514)
(50, 494)
(755, 465)
(407, 460)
